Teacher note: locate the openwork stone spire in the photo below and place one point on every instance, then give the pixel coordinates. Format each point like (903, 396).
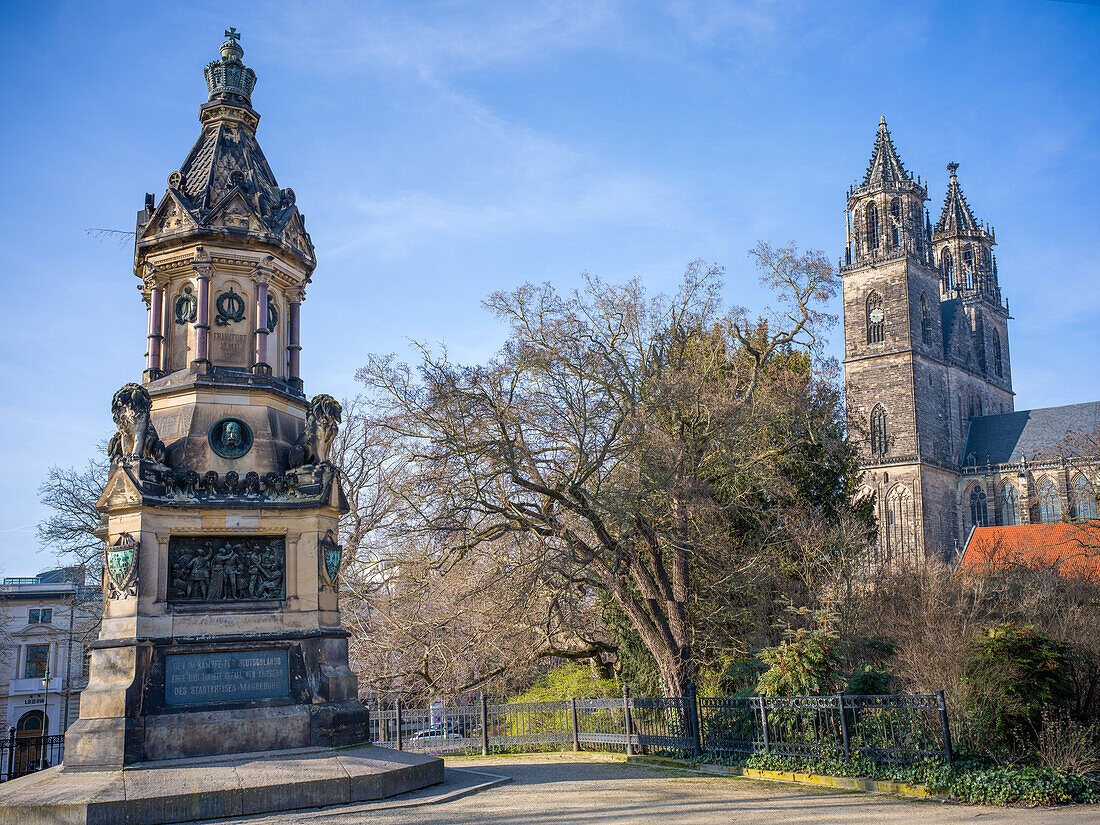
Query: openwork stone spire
(885, 167)
(956, 217)
(228, 78)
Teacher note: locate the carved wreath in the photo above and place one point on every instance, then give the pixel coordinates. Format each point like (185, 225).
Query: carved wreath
(186, 307)
(230, 308)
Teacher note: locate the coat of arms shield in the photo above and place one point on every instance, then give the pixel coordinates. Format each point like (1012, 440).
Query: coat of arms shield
(331, 554)
(121, 563)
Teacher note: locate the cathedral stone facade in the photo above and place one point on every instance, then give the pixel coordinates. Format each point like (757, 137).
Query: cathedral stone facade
(928, 378)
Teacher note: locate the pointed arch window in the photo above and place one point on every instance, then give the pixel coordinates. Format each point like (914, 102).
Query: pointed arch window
(948, 267)
(1084, 499)
(876, 319)
(998, 364)
(895, 223)
(968, 266)
(925, 320)
(1046, 506)
(979, 514)
(878, 431)
(1010, 503)
(901, 540)
(870, 227)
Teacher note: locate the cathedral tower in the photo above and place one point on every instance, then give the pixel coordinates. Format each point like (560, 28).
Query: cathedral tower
(975, 321)
(925, 349)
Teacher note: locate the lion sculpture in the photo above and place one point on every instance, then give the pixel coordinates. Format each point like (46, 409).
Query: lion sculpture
(322, 422)
(136, 436)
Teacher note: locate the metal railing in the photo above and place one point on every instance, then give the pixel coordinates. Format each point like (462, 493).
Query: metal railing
(880, 729)
(20, 755)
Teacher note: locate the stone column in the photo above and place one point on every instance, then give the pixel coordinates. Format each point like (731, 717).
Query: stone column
(155, 330)
(294, 341)
(203, 270)
(261, 276)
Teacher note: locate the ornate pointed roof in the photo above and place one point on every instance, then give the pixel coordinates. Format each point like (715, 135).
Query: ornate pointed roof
(885, 166)
(956, 217)
(225, 185)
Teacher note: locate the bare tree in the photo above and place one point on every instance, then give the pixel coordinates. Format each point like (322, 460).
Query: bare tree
(71, 529)
(616, 440)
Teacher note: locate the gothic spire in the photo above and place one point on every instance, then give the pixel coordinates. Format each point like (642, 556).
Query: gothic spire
(885, 166)
(225, 184)
(956, 217)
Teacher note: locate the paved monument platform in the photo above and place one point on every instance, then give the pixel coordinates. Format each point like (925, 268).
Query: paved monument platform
(182, 790)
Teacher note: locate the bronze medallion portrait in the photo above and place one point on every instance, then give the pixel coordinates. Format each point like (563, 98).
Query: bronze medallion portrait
(230, 438)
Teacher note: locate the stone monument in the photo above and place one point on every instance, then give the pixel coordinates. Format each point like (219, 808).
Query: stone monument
(221, 630)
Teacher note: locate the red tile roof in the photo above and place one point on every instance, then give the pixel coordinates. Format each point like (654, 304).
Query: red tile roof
(1071, 549)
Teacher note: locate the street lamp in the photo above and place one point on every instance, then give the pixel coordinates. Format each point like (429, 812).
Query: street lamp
(45, 717)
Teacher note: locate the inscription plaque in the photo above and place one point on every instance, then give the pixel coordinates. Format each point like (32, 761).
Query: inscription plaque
(225, 676)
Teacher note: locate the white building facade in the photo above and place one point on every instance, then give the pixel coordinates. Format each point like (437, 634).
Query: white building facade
(45, 624)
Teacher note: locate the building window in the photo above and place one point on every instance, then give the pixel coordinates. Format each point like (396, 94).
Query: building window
(876, 319)
(42, 615)
(978, 513)
(968, 266)
(948, 267)
(901, 533)
(37, 657)
(925, 320)
(878, 431)
(1047, 496)
(895, 223)
(870, 227)
(1009, 504)
(1084, 499)
(998, 364)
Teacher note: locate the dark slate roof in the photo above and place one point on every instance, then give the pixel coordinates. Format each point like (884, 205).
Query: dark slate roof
(885, 165)
(1011, 437)
(956, 215)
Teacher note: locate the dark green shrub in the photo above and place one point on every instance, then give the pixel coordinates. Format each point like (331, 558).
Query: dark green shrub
(806, 664)
(869, 681)
(1012, 675)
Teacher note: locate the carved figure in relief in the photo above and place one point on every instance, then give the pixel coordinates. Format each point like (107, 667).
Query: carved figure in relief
(322, 424)
(198, 573)
(136, 437)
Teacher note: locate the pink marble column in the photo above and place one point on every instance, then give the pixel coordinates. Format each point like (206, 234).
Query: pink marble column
(156, 333)
(294, 345)
(261, 367)
(203, 270)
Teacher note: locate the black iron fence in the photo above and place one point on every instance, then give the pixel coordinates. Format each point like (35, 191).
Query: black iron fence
(20, 755)
(881, 729)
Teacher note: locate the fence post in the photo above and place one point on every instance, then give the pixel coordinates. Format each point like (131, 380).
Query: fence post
(576, 727)
(397, 713)
(844, 727)
(941, 702)
(11, 752)
(764, 723)
(626, 717)
(484, 726)
(692, 712)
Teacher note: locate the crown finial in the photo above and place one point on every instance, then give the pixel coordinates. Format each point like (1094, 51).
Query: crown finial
(229, 79)
(951, 167)
(882, 120)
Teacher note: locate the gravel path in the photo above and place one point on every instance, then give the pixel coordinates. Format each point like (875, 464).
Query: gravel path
(566, 790)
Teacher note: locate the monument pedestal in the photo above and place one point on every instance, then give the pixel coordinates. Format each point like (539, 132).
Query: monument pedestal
(182, 790)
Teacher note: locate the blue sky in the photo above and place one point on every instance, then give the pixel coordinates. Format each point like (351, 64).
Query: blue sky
(444, 150)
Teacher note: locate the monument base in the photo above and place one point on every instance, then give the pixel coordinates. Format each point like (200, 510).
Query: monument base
(182, 790)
